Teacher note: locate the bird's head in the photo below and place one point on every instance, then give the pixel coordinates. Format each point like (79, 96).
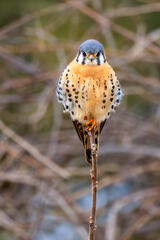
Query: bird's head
(91, 52)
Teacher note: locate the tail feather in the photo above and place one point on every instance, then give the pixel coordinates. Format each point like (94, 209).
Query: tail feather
(85, 138)
(88, 155)
(87, 143)
(87, 146)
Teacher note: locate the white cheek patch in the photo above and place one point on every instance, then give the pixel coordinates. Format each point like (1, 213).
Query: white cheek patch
(101, 59)
(81, 58)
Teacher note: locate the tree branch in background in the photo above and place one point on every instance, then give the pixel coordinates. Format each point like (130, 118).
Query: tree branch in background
(33, 151)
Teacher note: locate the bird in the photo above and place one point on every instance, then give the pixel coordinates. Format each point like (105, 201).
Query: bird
(89, 90)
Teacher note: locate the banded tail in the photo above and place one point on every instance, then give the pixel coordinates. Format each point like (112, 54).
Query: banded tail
(85, 138)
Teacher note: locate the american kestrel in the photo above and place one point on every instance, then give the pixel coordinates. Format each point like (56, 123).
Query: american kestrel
(89, 90)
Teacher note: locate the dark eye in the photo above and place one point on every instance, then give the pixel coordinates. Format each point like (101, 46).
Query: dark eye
(84, 54)
(98, 54)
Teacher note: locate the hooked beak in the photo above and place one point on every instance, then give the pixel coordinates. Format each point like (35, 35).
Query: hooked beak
(91, 57)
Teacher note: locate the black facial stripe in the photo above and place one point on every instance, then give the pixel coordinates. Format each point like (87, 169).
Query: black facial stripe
(84, 61)
(77, 57)
(98, 60)
(104, 58)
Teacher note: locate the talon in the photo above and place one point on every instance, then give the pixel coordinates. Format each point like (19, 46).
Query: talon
(93, 121)
(89, 122)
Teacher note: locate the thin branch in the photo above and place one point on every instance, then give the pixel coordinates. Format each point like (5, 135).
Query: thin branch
(18, 63)
(92, 220)
(27, 18)
(59, 171)
(107, 23)
(69, 211)
(141, 195)
(134, 10)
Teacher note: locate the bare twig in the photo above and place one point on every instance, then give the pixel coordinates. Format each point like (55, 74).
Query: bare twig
(18, 63)
(141, 195)
(9, 224)
(33, 151)
(69, 211)
(104, 22)
(27, 18)
(92, 226)
(134, 10)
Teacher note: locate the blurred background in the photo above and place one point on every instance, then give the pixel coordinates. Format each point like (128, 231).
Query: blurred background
(44, 179)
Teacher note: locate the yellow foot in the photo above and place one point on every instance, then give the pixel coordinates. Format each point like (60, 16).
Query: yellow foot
(91, 124)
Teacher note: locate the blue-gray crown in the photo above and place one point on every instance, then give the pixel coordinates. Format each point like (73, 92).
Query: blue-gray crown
(91, 46)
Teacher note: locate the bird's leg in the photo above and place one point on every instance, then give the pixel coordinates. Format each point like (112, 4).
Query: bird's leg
(93, 122)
